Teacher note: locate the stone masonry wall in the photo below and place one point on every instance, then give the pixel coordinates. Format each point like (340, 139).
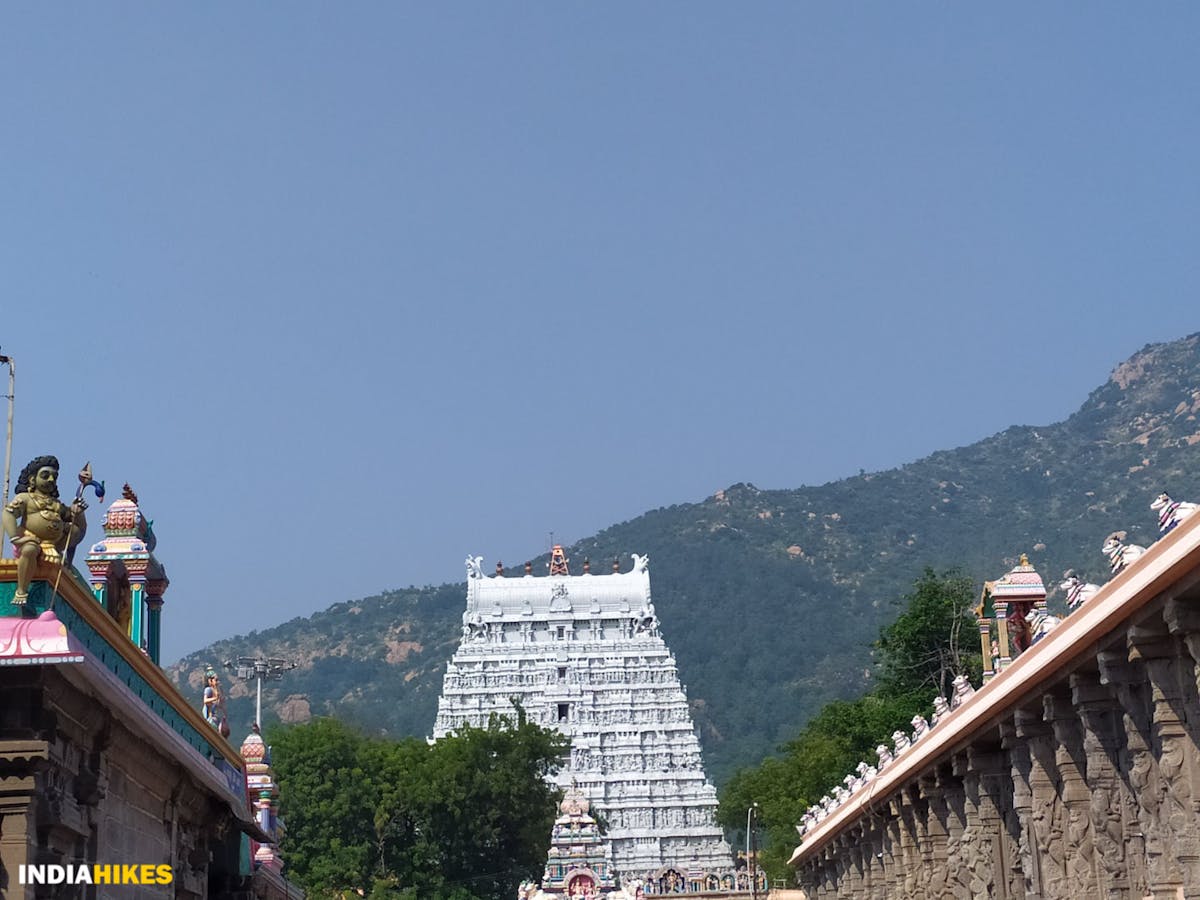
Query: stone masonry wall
(1090, 787)
(77, 786)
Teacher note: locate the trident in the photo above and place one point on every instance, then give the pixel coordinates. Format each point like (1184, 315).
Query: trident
(85, 481)
(68, 556)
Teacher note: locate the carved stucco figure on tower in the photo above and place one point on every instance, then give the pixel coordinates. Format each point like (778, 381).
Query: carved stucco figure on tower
(40, 525)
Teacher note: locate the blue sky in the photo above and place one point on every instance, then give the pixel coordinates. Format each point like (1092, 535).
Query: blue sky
(348, 291)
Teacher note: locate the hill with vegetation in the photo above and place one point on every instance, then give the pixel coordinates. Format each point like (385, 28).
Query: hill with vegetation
(771, 599)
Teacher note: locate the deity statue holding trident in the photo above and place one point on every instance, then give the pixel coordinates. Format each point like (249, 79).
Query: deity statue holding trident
(42, 526)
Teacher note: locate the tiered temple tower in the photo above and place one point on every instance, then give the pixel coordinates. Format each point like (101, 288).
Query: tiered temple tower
(583, 654)
(260, 783)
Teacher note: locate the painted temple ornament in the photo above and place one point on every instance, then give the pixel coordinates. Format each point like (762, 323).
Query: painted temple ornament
(1014, 605)
(127, 579)
(41, 527)
(260, 784)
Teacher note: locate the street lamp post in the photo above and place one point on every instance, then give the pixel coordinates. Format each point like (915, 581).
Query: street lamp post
(260, 668)
(12, 374)
(751, 814)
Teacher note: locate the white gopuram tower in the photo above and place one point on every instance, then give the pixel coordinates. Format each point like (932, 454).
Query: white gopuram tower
(582, 653)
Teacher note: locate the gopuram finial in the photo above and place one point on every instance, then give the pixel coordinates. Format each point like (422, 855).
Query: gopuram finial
(558, 561)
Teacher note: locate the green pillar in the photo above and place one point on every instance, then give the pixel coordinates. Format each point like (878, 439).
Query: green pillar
(100, 589)
(137, 613)
(153, 626)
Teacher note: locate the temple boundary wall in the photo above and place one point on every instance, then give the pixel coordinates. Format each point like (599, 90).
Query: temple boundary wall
(1075, 772)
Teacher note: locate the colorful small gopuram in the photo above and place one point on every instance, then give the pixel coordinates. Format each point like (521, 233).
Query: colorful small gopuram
(579, 863)
(260, 781)
(1006, 604)
(126, 577)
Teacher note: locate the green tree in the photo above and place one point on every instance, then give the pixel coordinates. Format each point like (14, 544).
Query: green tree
(467, 818)
(932, 640)
(327, 798)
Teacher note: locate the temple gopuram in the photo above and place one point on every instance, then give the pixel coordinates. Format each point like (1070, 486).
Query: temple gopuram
(112, 784)
(583, 654)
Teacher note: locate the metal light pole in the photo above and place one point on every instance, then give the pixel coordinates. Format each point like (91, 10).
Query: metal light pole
(750, 851)
(260, 668)
(12, 375)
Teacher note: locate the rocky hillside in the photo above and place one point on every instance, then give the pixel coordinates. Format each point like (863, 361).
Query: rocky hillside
(771, 599)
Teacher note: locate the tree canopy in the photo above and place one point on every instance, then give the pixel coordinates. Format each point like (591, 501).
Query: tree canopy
(466, 818)
(917, 657)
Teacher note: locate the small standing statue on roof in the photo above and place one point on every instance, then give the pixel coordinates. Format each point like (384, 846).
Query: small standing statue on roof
(214, 703)
(41, 526)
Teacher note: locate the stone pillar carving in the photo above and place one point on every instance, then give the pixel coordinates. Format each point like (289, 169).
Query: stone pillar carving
(1128, 677)
(893, 852)
(21, 763)
(1110, 803)
(936, 834)
(863, 838)
(837, 865)
(982, 845)
(1048, 816)
(1071, 762)
(910, 854)
(1165, 665)
(877, 886)
(958, 873)
(804, 879)
(1024, 878)
(920, 825)
(1183, 619)
(852, 851)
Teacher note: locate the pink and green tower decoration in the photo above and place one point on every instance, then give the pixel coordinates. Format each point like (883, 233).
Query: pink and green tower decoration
(579, 863)
(127, 579)
(260, 782)
(1005, 603)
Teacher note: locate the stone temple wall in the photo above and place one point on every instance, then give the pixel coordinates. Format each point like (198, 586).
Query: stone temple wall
(1074, 773)
(77, 786)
